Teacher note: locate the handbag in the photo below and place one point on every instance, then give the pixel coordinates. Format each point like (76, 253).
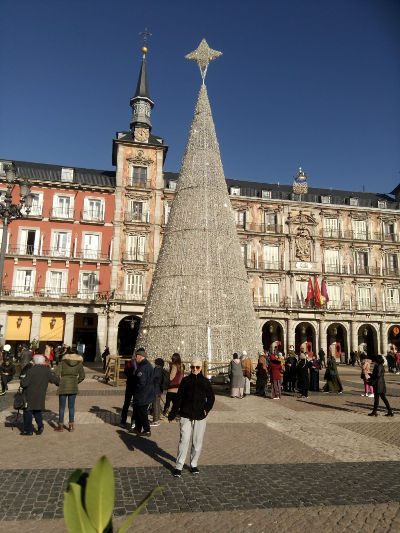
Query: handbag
(19, 400)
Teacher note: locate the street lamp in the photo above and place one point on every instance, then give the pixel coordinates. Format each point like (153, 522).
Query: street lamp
(10, 211)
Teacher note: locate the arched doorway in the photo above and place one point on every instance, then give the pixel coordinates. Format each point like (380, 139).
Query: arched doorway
(394, 338)
(367, 341)
(272, 336)
(305, 338)
(336, 340)
(128, 329)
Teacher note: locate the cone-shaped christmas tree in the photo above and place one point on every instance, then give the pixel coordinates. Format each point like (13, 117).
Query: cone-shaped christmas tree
(200, 302)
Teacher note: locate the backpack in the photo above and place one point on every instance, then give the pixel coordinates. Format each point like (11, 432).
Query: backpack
(165, 380)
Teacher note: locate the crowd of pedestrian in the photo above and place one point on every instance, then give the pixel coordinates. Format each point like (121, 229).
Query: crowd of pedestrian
(188, 398)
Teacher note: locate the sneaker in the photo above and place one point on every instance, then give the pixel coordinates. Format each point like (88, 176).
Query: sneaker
(177, 472)
(155, 424)
(40, 430)
(365, 395)
(195, 471)
(135, 431)
(2, 393)
(146, 433)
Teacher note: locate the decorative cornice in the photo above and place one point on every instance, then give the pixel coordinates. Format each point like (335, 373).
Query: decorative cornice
(140, 159)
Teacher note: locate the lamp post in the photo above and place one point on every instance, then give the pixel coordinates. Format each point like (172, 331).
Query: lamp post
(10, 211)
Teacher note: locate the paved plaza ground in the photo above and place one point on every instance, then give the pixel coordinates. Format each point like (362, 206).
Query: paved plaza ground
(267, 465)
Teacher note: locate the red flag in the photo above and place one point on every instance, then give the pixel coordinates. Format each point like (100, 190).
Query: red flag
(318, 299)
(324, 291)
(310, 291)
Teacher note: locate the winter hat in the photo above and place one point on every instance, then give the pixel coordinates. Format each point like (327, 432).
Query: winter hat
(6, 348)
(141, 351)
(39, 359)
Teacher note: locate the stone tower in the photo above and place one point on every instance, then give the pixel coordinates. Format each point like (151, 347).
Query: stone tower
(200, 302)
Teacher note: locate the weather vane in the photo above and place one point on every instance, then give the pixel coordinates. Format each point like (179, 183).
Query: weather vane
(203, 55)
(145, 37)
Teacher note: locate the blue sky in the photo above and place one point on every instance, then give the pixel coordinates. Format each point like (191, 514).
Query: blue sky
(311, 83)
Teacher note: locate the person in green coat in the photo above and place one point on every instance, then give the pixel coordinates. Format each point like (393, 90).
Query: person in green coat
(71, 373)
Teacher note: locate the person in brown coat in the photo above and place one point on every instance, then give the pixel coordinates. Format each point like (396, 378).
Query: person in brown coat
(247, 366)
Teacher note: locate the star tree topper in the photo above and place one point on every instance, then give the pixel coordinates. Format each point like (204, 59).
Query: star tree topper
(203, 55)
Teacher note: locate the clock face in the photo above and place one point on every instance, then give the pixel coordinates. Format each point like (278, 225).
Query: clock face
(141, 134)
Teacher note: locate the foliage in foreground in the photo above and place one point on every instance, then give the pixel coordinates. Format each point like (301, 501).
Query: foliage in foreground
(89, 501)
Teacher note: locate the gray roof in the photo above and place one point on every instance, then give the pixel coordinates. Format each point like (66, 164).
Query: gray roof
(142, 87)
(82, 176)
(285, 192)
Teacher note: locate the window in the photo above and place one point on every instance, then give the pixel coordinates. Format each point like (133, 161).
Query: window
(389, 233)
(331, 227)
(240, 218)
(2, 195)
(24, 281)
(382, 204)
(325, 199)
(362, 262)
(235, 191)
(245, 249)
(167, 210)
(172, 185)
(359, 229)
(61, 243)
(271, 256)
(93, 209)
(271, 294)
(267, 195)
(138, 176)
(393, 298)
(138, 211)
(29, 241)
(335, 297)
(331, 260)
(37, 205)
(301, 292)
(270, 221)
(392, 263)
(63, 206)
(91, 246)
(88, 284)
(67, 174)
(353, 201)
(364, 297)
(135, 247)
(56, 283)
(134, 285)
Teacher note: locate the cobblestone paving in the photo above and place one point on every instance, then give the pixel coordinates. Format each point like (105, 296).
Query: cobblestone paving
(33, 494)
(308, 464)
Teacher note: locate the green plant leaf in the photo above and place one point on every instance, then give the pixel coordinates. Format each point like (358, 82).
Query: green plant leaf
(99, 495)
(76, 520)
(129, 521)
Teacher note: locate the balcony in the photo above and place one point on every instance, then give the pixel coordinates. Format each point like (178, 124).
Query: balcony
(135, 257)
(57, 253)
(137, 183)
(16, 292)
(263, 228)
(62, 213)
(333, 305)
(137, 217)
(35, 212)
(127, 296)
(336, 269)
(253, 264)
(92, 217)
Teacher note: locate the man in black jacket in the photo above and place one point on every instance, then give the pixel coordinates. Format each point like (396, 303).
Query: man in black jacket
(143, 393)
(194, 401)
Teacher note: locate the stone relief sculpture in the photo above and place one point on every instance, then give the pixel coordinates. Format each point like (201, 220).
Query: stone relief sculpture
(303, 245)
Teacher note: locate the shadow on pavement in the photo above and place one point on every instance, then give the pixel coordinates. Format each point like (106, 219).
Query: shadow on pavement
(334, 407)
(105, 415)
(148, 447)
(370, 406)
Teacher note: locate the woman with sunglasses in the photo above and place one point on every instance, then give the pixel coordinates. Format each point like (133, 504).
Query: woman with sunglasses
(194, 401)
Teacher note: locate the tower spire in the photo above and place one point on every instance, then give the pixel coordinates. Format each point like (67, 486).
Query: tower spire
(199, 302)
(141, 103)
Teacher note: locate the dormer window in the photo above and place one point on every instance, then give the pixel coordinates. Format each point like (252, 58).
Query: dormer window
(67, 175)
(353, 201)
(382, 204)
(172, 185)
(267, 195)
(325, 199)
(235, 191)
